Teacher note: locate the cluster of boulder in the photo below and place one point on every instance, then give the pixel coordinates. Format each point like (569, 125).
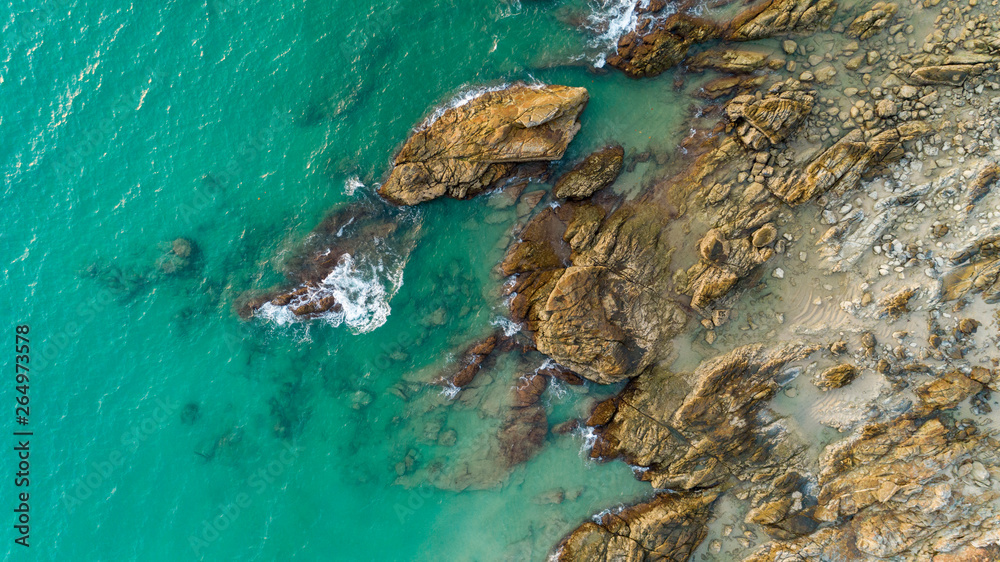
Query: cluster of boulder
(917, 486)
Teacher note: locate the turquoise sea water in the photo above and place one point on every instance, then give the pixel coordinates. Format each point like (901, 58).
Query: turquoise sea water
(166, 428)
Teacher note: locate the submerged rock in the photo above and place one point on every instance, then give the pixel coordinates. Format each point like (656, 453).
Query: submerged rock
(178, 258)
(597, 171)
(478, 145)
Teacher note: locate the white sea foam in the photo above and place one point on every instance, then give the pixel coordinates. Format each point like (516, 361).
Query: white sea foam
(352, 184)
(616, 18)
(508, 326)
(589, 439)
(611, 510)
(363, 291)
(547, 364)
(557, 388)
(450, 391)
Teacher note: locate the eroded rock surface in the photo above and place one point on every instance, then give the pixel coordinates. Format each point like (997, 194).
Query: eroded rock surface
(871, 22)
(906, 489)
(595, 172)
(710, 435)
(669, 527)
(594, 289)
(780, 16)
(842, 166)
(760, 123)
(478, 145)
(657, 45)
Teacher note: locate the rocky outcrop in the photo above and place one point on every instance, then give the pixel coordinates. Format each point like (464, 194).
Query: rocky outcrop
(977, 271)
(523, 431)
(341, 244)
(780, 16)
(668, 527)
(476, 146)
(594, 289)
(868, 24)
(842, 166)
(909, 489)
(723, 263)
(981, 184)
(760, 123)
(708, 436)
(657, 45)
(734, 61)
(837, 376)
(597, 171)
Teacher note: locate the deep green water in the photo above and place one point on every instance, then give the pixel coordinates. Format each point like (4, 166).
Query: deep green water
(238, 125)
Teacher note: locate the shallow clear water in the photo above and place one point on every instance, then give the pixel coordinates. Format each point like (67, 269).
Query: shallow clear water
(239, 126)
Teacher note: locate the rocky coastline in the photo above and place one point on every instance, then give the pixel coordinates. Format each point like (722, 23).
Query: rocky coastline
(832, 228)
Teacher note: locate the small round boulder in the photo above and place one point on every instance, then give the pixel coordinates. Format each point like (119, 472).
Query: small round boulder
(765, 235)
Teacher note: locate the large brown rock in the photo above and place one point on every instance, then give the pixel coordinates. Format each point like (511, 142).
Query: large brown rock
(659, 44)
(731, 260)
(871, 22)
(668, 527)
(597, 171)
(735, 61)
(760, 123)
(473, 147)
(780, 16)
(594, 290)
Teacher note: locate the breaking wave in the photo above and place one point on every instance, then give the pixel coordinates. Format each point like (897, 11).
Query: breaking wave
(361, 289)
(466, 94)
(611, 19)
(508, 326)
(352, 184)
